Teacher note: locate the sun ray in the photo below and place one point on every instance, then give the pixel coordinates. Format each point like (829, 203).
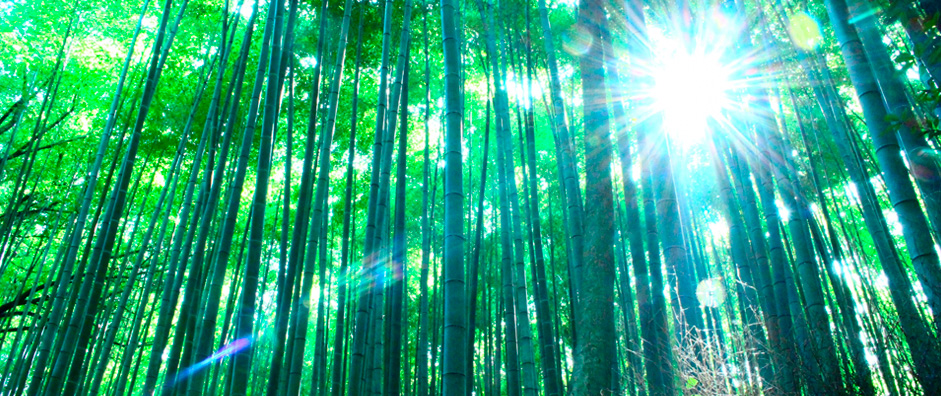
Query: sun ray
(700, 75)
(689, 89)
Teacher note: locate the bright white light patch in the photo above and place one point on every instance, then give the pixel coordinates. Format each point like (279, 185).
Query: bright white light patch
(159, 180)
(720, 229)
(308, 62)
(783, 212)
(246, 9)
(689, 89)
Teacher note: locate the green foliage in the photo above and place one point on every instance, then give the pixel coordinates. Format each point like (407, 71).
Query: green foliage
(33, 32)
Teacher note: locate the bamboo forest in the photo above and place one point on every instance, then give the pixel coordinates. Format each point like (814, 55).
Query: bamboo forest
(470, 197)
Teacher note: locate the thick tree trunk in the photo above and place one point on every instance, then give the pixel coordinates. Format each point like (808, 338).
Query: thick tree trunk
(455, 322)
(595, 337)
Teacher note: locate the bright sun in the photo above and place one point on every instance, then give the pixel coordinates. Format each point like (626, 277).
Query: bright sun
(689, 89)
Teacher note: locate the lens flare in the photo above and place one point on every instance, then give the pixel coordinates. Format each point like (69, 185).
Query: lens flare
(227, 350)
(699, 78)
(690, 88)
(711, 292)
(804, 31)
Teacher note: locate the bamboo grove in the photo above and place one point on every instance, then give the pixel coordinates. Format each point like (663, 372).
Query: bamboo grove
(487, 197)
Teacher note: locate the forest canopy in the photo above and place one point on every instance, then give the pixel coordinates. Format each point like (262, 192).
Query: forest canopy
(479, 197)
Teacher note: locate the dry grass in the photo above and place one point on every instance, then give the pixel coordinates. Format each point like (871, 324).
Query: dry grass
(705, 368)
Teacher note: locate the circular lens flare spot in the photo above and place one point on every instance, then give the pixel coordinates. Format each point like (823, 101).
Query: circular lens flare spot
(804, 31)
(924, 164)
(711, 292)
(577, 40)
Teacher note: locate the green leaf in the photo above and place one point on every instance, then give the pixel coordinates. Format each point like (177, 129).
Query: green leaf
(905, 59)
